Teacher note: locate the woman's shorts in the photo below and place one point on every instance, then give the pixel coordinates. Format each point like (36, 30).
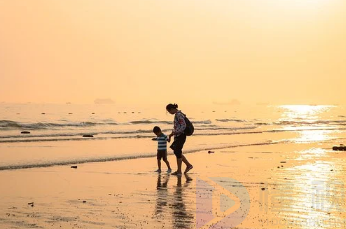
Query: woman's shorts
(178, 144)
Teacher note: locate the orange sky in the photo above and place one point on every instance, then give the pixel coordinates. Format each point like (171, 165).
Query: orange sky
(198, 51)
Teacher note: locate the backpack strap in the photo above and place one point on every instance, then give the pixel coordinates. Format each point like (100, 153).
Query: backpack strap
(182, 113)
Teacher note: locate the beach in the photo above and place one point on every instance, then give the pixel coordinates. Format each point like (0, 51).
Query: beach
(281, 180)
(264, 167)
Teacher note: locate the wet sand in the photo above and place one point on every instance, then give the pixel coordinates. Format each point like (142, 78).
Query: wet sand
(288, 185)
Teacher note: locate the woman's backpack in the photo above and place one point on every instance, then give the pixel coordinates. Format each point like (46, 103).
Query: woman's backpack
(189, 127)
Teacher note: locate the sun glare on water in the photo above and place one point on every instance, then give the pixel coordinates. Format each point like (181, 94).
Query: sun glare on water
(308, 121)
(304, 112)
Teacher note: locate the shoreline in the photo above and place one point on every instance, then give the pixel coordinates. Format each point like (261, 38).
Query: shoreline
(119, 158)
(127, 194)
(31, 155)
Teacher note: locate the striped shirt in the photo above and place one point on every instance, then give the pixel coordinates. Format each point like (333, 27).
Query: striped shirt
(161, 142)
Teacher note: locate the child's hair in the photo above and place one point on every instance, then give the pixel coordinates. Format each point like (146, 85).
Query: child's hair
(171, 106)
(156, 129)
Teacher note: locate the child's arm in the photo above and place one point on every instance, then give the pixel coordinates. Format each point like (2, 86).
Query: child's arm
(154, 139)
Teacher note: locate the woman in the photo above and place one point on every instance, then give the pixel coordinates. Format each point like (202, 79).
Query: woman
(179, 138)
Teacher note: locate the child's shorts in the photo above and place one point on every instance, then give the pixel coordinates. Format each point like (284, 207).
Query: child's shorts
(162, 154)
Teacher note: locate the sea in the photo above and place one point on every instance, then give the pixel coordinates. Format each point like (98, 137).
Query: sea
(42, 135)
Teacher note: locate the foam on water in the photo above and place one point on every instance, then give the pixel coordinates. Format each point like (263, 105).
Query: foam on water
(116, 158)
(69, 123)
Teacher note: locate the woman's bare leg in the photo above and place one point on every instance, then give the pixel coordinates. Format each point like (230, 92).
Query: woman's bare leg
(187, 163)
(179, 162)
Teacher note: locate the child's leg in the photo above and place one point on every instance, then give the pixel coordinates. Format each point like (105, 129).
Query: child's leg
(167, 163)
(159, 164)
(159, 156)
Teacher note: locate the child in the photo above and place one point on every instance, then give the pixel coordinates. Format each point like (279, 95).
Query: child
(161, 148)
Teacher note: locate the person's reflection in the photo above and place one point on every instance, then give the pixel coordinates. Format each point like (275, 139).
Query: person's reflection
(162, 193)
(182, 218)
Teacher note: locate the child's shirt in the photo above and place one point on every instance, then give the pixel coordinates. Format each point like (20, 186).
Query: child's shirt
(161, 142)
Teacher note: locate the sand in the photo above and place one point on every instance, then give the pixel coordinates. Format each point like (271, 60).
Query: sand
(288, 185)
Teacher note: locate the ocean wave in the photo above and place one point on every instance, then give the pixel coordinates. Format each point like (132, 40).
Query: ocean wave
(137, 133)
(226, 128)
(263, 123)
(27, 136)
(205, 122)
(8, 124)
(230, 120)
(306, 129)
(319, 122)
(104, 137)
(148, 121)
(117, 158)
(147, 133)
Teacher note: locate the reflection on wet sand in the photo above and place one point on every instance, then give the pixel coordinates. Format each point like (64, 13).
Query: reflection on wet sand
(314, 196)
(162, 194)
(182, 218)
(173, 207)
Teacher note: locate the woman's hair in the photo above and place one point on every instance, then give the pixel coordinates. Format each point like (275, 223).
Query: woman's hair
(171, 106)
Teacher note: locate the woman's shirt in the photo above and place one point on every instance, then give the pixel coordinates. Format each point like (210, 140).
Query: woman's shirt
(179, 123)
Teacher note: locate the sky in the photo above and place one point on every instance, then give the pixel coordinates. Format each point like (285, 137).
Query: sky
(157, 51)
